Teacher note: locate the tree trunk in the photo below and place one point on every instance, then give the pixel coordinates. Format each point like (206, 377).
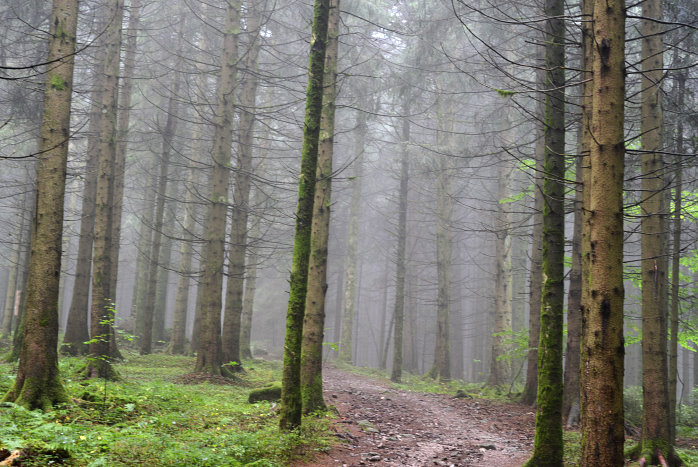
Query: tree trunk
(399, 312)
(168, 134)
(675, 269)
(122, 140)
(37, 385)
(656, 432)
(314, 320)
(570, 396)
(346, 344)
(444, 244)
(209, 358)
(291, 401)
(499, 365)
(241, 196)
(102, 307)
(548, 445)
(14, 284)
(535, 275)
(602, 333)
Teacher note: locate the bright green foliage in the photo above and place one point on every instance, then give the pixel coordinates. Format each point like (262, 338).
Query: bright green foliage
(151, 419)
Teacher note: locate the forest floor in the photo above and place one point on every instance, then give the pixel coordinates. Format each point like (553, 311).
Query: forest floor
(382, 425)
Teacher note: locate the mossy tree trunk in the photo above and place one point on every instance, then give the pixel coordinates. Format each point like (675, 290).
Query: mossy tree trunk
(291, 400)
(241, 196)
(548, 444)
(37, 384)
(602, 323)
(145, 237)
(102, 306)
(209, 357)
(314, 320)
(401, 260)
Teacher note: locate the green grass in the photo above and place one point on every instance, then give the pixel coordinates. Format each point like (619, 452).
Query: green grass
(148, 419)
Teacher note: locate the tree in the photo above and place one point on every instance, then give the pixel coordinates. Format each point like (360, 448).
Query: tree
(209, 340)
(38, 384)
(346, 344)
(241, 195)
(102, 308)
(291, 401)
(314, 320)
(602, 328)
(656, 432)
(548, 445)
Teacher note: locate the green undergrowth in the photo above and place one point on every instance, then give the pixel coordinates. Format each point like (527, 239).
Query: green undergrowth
(155, 418)
(424, 383)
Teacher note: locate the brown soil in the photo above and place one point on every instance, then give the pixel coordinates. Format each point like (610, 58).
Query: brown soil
(383, 426)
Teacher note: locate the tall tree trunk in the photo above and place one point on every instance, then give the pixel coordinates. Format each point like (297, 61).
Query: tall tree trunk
(675, 271)
(535, 286)
(548, 445)
(37, 384)
(145, 237)
(401, 263)
(346, 344)
(122, 138)
(314, 320)
(14, 290)
(163, 274)
(102, 307)
(656, 432)
(499, 365)
(291, 400)
(570, 396)
(168, 134)
(76, 332)
(444, 246)
(602, 332)
(209, 358)
(241, 195)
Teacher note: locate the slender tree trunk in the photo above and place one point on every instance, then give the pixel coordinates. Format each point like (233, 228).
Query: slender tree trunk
(548, 445)
(314, 320)
(145, 237)
(656, 431)
(399, 312)
(675, 269)
(602, 331)
(241, 196)
(14, 290)
(346, 344)
(291, 400)
(163, 274)
(168, 134)
(535, 287)
(122, 139)
(102, 307)
(499, 366)
(37, 384)
(444, 242)
(209, 357)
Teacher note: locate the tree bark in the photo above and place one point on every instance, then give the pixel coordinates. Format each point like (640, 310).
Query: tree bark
(401, 263)
(241, 195)
(209, 357)
(548, 446)
(291, 400)
(602, 332)
(102, 306)
(346, 344)
(314, 320)
(37, 385)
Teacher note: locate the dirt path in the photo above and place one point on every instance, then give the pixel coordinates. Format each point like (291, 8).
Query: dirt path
(383, 426)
